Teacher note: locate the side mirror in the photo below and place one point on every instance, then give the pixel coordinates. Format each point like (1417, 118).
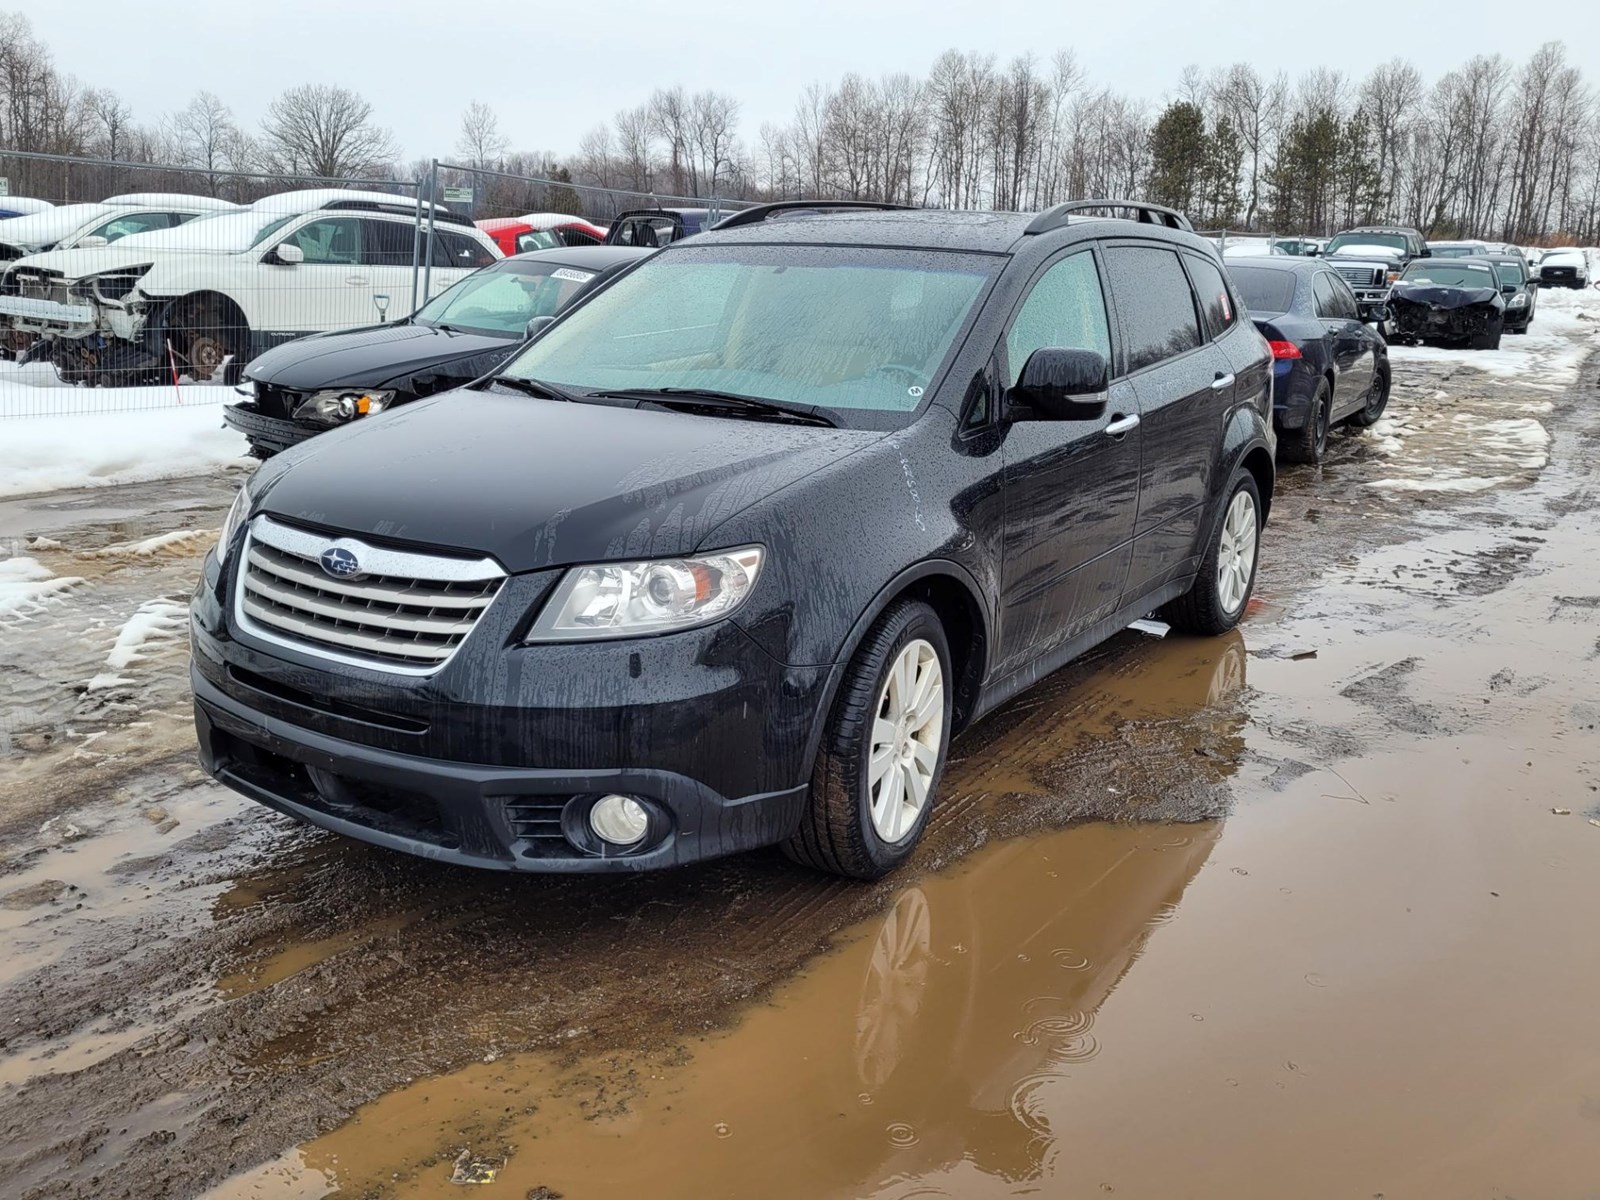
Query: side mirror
(1313, 251)
(92, 242)
(285, 255)
(1378, 314)
(536, 326)
(1060, 385)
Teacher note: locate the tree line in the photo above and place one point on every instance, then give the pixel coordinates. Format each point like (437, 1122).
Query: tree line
(1490, 149)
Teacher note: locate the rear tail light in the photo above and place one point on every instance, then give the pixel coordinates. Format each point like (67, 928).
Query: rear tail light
(1284, 350)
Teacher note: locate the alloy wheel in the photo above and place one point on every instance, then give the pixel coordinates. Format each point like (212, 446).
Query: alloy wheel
(1236, 553)
(907, 736)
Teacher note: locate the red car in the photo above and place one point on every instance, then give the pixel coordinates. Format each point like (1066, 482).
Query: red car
(541, 231)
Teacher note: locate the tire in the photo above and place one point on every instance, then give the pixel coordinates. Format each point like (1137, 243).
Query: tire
(1310, 442)
(1377, 398)
(207, 331)
(839, 832)
(1204, 609)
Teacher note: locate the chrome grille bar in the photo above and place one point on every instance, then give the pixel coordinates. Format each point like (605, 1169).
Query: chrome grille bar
(403, 612)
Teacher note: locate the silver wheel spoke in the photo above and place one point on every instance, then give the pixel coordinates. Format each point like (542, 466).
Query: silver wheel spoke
(907, 739)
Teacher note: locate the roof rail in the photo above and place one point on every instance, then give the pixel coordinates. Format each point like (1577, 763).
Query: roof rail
(759, 213)
(1148, 214)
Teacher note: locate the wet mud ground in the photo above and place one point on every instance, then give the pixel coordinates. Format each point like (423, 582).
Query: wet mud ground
(1308, 910)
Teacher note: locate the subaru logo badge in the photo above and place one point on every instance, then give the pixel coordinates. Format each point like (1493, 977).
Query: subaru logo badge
(341, 562)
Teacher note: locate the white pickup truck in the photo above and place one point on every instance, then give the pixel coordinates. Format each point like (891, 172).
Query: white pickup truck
(223, 288)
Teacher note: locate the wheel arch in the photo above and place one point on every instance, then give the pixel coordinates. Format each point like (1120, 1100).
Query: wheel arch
(951, 591)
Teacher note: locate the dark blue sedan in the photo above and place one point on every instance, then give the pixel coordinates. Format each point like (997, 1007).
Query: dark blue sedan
(1328, 366)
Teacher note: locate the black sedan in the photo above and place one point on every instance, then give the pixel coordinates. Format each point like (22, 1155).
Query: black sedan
(1520, 289)
(1329, 366)
(329, 379)
(1453, 301)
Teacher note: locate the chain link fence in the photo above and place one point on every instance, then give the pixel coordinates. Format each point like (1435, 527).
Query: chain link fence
(162, 282)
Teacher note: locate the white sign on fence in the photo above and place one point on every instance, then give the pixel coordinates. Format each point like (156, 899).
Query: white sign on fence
(5, 186)
(457, 195)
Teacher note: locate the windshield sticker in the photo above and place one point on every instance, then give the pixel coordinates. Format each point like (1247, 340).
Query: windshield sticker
(572, 276)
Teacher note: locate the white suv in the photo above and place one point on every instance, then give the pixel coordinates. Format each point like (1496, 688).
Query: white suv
(68, 225)
(229, 286)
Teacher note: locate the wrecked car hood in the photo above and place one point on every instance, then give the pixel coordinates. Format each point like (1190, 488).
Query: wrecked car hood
(1437, 296)
(370, 357)
(75, 264)
(537, 483)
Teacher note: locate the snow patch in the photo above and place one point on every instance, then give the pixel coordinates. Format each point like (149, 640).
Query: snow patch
(156, 620)
(25, 585)
(186, 540)
(1441, 481)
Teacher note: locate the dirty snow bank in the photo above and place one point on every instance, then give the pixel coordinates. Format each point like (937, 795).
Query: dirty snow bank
(54, 437)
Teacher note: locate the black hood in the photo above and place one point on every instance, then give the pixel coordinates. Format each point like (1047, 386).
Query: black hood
(368, 357)
(1438, 296)
(538, 483)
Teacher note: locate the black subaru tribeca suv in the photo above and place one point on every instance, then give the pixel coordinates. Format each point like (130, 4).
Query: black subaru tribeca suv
(728, 554)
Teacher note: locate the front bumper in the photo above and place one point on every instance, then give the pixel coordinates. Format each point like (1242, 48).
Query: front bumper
(271, 434)
(1449, 324)
(493, 761)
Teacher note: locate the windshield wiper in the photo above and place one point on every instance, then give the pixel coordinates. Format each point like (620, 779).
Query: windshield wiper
(732, 402)
(535, 387)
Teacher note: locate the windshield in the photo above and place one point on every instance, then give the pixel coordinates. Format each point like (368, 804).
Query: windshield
(1393, 241)
(1264, 290)
(505, 297)
(1510, 272)
(859, 332)
(1445, 274)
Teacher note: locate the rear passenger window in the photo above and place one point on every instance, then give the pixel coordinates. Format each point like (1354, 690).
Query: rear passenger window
(387, 243)
(1216, 302)
(1154, 302)
(1065, 310)
(1349, 307)
(459, 250)
(1322, 293)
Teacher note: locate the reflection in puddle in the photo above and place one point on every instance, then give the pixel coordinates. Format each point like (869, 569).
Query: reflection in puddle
(931, 1039)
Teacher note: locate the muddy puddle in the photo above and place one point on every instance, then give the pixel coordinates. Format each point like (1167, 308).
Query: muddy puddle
(1376, 977)
(1303, 911)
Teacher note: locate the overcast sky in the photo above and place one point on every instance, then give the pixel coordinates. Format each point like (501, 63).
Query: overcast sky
(550, 77)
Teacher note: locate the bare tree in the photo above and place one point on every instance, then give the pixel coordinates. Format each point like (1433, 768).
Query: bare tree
(481, 144)
(205, 136)
(325, 132)
(635, 147)
(669, 120)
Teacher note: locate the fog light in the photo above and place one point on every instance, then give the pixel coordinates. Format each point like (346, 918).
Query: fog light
(619, 820)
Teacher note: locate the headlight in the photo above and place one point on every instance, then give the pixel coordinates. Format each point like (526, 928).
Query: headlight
(1520, 300)
(110, 287)
(613, 600)
(232, 522)
(336, 406)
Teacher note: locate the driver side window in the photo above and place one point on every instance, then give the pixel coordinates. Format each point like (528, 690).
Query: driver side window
(335, 240)
(1066, 309)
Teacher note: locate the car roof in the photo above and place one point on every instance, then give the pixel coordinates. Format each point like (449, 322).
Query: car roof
(1377, 229)
(929, 228)
(1288, 264)
(587, 258)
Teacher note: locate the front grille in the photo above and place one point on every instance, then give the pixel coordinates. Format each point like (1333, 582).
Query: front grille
(1362, 276)
(279, 402)
(404, 612)
(37, 285)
